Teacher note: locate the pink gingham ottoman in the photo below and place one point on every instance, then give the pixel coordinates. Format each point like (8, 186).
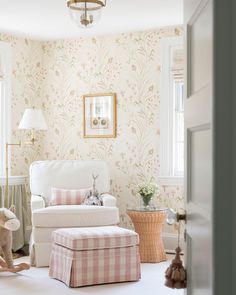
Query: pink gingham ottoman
(94, 255)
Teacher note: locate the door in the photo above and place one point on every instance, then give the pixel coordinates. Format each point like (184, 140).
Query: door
(198, 20)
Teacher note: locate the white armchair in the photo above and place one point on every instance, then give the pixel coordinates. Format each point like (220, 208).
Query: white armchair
(70, 175)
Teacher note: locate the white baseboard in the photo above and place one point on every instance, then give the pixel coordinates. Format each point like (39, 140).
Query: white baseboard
(171, 241)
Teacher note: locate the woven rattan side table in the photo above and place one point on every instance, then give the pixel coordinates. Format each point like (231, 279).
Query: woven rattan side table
(148, 224)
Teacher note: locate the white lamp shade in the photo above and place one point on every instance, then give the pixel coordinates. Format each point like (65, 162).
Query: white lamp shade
(33, 119)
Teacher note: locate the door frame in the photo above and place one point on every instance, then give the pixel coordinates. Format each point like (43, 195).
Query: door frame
(224, 148)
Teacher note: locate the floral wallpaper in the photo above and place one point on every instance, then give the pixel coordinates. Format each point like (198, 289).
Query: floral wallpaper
(26, 92)
(56, 74)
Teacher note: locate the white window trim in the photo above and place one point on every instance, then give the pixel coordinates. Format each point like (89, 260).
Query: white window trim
(166, 117)
(5, 115)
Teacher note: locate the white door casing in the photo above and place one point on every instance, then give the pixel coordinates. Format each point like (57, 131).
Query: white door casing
(198, 21)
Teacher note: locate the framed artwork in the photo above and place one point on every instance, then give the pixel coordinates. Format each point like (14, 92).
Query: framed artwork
(99, 115)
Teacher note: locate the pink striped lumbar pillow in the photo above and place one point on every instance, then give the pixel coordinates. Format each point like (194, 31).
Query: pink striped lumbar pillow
(61, 196)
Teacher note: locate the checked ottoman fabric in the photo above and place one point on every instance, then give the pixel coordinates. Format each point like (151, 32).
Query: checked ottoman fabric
(94, 255)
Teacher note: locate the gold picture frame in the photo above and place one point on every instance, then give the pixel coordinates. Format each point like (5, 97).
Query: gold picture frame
(99, 115)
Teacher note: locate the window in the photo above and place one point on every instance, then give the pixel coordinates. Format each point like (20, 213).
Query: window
(178, 134)
(5, 100)
(172, 112)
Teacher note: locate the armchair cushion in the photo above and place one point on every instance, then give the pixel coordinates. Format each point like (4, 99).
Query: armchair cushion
(75, 216)
(68, 196)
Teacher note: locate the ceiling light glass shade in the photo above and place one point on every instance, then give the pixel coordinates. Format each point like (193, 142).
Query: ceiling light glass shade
(33, 119)
(85, 13)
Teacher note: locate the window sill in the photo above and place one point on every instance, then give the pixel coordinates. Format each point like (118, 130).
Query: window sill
(171, 181)
(13, 180)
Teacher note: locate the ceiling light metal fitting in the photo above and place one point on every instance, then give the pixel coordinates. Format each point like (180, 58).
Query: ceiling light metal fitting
(85, 13)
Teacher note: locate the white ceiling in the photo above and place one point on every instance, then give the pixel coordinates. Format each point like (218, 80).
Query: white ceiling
(49, 19)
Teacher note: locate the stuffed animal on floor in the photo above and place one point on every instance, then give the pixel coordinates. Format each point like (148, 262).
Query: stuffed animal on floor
(8, 223)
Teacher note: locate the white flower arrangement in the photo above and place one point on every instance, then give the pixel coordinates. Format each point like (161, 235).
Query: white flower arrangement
(148, 189)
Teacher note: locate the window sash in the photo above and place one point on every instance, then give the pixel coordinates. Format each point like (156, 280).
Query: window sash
(168, 108)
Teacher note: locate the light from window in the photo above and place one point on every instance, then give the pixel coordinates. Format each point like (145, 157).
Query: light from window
(5, 100)
(178, 140)
(171, 112)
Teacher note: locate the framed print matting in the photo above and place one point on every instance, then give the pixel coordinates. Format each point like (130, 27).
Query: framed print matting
(99, 115)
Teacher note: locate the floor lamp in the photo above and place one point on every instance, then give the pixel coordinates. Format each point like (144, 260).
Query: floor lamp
(32, 120)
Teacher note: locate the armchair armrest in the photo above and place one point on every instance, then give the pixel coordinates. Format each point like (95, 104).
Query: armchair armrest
(108, 200)
(37, 202)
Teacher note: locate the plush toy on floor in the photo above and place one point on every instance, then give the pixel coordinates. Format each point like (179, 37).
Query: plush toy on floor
(8, 223)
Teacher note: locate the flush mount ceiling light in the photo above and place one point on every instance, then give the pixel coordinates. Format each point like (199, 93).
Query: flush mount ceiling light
(85, 13)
